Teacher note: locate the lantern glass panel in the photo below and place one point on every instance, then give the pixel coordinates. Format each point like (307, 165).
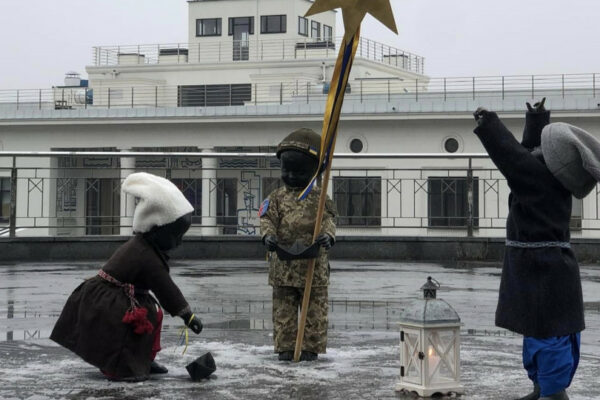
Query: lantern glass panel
(441, 356)
(411, 349)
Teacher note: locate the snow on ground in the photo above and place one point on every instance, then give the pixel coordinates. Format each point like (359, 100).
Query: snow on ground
(362, 361)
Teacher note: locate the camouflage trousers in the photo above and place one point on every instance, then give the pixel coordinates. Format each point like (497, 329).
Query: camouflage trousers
(287, 301)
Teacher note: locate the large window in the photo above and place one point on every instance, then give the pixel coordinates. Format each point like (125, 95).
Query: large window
(448, 202)
(273, 24)
(4, 199)
(241, 25)
(269, 184)
(358, 200)
(577, 214)
(302, 26)
(192, 190)
(227, 208)
(327, 33)
(208, 27)
(315, 29)
(214, 95)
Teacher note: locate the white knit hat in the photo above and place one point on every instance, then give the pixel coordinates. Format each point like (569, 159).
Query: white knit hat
(160, 201)
(573, 157)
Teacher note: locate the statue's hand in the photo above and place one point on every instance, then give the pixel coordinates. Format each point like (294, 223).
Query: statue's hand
(537, 107)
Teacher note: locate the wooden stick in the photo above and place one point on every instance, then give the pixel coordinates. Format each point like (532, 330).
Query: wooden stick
(311, 263)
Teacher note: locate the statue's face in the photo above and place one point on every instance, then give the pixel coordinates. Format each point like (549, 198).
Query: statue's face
(170, 236)
(297, 168)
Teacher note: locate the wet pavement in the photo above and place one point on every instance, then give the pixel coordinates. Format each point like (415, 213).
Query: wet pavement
(233, 299)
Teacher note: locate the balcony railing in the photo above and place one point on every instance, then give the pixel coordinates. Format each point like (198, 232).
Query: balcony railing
(77, 193)
(503, 93)
(220, 51)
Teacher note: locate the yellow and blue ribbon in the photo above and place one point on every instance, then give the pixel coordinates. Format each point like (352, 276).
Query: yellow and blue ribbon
(333, 107)
(184, 335)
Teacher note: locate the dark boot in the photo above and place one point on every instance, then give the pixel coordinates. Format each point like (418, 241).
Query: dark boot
(308, 356)
(286, 356)
(562, 395)
(535, 395)
(156, 368)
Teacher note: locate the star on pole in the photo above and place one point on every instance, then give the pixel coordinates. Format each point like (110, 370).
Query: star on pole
(354, 12)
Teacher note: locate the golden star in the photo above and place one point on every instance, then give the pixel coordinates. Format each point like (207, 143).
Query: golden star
(354, 11)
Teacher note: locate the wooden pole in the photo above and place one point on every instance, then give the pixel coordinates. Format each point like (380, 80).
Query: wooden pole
(311, 263)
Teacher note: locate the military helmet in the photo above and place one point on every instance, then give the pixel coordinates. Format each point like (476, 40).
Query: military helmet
(304, 140)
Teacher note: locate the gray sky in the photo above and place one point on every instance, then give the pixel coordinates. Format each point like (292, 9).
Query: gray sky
(41, 39)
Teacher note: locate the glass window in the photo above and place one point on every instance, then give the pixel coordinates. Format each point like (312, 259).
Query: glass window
(302, 26)
(269, 184)
(214, 95)
(327, 33)
(241, 25)
(358, 200)
(208, 27)
(576, 214)
(273, 24)
(448, 202)
(227, 209)
(192, 190)
(315, 29)
(4, 199)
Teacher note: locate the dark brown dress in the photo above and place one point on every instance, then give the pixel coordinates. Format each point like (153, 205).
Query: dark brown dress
(91, 323)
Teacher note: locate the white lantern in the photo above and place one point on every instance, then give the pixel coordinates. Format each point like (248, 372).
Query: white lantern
(430, 346)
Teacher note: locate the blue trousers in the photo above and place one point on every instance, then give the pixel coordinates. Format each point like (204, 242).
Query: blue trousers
(551, 362)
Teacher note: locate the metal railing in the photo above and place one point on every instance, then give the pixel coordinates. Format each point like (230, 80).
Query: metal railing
(219, 51)
(78, 193)
(568, 92)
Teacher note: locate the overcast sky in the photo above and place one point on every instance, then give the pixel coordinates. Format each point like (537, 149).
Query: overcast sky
(41, 39)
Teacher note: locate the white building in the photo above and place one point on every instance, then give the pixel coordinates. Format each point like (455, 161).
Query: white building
(251, 72)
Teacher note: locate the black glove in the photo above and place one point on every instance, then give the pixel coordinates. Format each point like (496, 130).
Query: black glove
(480, 115)
(192, 322)
(325, 241)
(537, 107)
(270, 242)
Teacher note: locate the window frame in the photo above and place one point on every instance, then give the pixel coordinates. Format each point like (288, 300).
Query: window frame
(312, 29)
(444, 219)
(302, 20)
(370, 202)
(218, 95)
(326, 38)
(4, 189)
(219, 27)
(264, 26)
(249, 22)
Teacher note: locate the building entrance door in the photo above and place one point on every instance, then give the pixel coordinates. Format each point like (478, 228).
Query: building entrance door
(241, 28)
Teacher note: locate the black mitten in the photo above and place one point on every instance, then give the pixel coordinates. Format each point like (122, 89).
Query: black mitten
(192, 322)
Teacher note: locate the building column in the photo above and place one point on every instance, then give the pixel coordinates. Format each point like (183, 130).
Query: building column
(209, 195)
(127, 201)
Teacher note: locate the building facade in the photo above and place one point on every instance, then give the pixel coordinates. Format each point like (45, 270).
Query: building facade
(251, 72)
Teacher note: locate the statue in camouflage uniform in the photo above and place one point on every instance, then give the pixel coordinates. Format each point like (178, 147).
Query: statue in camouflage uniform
(286, 221)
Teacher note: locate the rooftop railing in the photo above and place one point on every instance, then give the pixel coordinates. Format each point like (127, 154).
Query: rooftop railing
(503, 93)
(78, 193)
(219, 51)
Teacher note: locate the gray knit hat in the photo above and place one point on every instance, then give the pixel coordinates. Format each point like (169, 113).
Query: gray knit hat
(573, 157)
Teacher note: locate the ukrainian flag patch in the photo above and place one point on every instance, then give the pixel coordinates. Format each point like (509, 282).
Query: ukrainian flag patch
(313, 151)
(264, 207)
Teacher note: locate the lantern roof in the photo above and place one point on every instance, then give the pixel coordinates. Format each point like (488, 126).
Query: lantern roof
(429, 312)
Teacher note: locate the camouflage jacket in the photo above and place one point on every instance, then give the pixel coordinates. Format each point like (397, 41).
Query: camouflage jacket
(290, 219)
